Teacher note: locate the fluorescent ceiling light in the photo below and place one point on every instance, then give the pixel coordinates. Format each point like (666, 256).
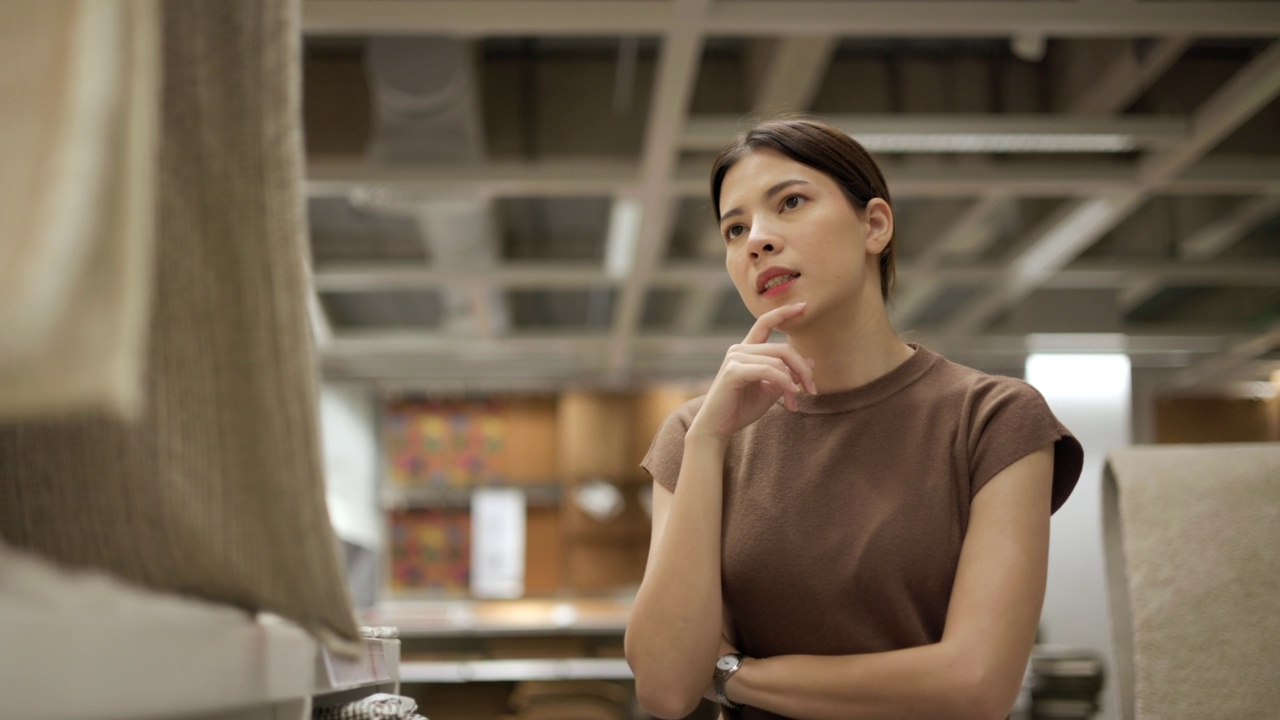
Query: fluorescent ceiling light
(624, 237)
(973, 133)
(997, 143)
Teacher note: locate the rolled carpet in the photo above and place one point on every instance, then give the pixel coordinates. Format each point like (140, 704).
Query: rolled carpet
(1192, 536)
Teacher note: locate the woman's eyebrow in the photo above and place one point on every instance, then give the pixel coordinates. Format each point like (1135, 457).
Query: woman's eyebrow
(768, 195)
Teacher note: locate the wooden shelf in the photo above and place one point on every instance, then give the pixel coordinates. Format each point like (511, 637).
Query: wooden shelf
(547, 494)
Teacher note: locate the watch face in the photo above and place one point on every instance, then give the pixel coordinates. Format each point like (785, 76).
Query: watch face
(726, 662)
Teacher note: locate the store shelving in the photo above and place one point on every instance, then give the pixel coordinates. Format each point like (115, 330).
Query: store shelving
(494, 618)
(516, 670)
(86, 646)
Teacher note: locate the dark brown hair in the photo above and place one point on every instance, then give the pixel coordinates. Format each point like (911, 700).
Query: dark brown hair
(823, 148)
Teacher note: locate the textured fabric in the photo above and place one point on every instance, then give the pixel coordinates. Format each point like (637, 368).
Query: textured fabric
(217, 490)
(843, 521)
(1193, 563)
(79, 92)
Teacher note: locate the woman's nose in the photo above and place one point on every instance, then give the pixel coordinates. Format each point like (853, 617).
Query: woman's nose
(761, 241)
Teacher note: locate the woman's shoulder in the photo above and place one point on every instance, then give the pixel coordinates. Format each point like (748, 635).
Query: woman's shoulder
(684, 413)
(677, 422)
(951, 376)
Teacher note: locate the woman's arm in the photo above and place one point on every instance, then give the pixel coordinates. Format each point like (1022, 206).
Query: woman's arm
(977, 668)
(674, 629)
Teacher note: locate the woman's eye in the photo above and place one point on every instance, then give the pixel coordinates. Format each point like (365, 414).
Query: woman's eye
(792, 202)
(732, 232)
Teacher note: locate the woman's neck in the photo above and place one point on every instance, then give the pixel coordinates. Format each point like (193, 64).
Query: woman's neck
(851, 350)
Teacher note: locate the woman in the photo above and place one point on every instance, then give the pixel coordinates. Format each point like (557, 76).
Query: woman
(845, 526)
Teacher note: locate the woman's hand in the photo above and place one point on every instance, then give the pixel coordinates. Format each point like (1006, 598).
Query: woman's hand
(754, 374)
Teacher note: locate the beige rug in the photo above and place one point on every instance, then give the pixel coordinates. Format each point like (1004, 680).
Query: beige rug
(216, 490)
(1193, 560)
(79, 94)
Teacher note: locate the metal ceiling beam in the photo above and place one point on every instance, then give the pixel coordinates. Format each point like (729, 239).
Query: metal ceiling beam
(1126, 78)
(676, 75)
(1239, 353)
(1207, 242)
(407, 185)
(423, 346)
(1229, 175)
(1129, 76)
(485, 18)
(912, 18)
(1226, 231)
(1094, 274)
(1116, 272)
(1247, 92)
(968, 237)
(367, 277)
(893, 132)
(896, 18)
(1080, 223)
(583, 359)
(789, 73)
(975, 231)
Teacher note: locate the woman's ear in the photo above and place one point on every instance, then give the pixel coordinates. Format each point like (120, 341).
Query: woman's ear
(879, 219)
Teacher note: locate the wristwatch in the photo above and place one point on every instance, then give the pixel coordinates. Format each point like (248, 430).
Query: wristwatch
(726, 666)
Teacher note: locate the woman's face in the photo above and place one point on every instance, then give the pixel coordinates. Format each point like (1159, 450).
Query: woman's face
(791, 235)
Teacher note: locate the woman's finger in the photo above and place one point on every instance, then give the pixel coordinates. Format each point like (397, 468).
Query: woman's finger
(758, 359)
(770, 321)
(800, 367)
(775, 380)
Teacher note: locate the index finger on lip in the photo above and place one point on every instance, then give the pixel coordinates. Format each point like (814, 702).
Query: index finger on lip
(767, 322)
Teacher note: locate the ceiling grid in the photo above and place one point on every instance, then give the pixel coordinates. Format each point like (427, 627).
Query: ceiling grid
(1022, 140)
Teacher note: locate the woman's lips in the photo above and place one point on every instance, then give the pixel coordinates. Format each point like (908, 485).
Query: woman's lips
(779, 284)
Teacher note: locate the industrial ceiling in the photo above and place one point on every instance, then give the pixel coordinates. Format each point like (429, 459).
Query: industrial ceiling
(512, 195)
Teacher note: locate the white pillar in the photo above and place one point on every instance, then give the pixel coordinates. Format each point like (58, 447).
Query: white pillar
(1092, 396)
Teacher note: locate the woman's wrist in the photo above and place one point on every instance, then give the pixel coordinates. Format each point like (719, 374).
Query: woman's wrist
(734, 684)
(700, 439)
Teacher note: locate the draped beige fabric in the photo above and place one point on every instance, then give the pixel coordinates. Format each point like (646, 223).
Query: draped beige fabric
(79, 92)
(1193, 561)
(215, 490)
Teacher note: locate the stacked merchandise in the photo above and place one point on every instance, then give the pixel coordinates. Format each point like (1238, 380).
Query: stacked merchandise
(437, 451)
(576, 458)
(1065, 683)
(431, 549)
(379, 706)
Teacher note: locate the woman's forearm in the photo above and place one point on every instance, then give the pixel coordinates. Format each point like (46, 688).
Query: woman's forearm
(673, 633)
(933, 681)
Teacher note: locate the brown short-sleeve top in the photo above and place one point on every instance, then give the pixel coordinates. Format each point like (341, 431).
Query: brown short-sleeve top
(843, 520)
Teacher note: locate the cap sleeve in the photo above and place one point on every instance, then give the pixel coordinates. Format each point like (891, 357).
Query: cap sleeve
(1012, 420)
(662, 462)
